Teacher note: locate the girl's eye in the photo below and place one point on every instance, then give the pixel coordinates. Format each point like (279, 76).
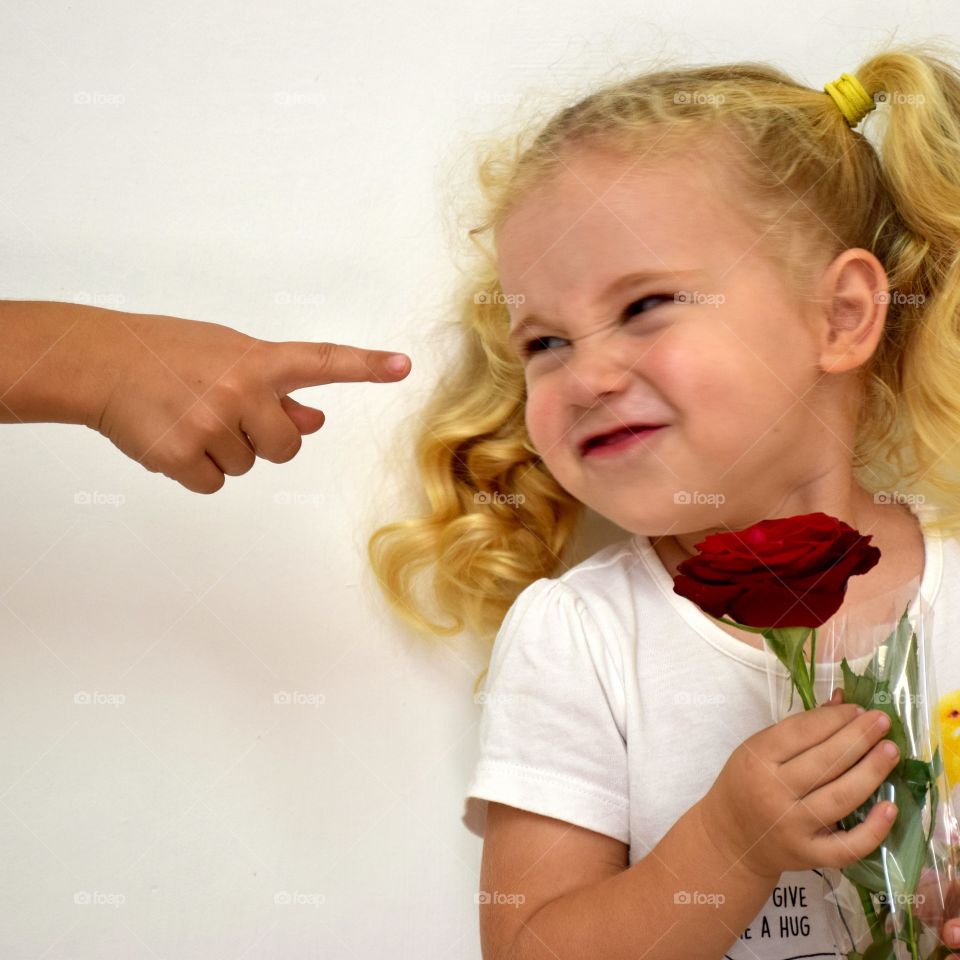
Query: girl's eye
(533, 346)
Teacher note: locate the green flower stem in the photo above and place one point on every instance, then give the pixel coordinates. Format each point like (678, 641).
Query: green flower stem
(868, 908)
(813, 659)
(911, 933)
(805, 689)
(805, 686)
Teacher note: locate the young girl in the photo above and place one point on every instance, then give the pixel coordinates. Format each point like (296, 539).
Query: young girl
(709, 301)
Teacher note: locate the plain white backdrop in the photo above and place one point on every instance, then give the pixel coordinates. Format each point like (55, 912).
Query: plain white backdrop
(214, 740)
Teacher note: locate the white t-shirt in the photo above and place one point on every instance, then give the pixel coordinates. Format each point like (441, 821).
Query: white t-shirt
(611, 702)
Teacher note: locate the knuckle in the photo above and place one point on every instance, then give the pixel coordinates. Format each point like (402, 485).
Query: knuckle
(872, 721)
(181, 455)
(839, 799)
(845, 854)
(256, 351)
(850, 846)
(208, 422)
(326, 352)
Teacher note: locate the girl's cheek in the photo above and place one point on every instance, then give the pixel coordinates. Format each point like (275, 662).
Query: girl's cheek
(544, 418)
(534, 417)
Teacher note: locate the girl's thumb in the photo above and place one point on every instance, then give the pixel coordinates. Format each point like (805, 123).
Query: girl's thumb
(305, 419)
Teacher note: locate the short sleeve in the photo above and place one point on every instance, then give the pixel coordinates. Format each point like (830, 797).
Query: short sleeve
(552, 731)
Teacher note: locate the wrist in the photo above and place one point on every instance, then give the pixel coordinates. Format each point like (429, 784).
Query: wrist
(730, 860)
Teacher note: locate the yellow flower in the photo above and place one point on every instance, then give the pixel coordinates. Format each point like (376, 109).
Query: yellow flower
(948, 715)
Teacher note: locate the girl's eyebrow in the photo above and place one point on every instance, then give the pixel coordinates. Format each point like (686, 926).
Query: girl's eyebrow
(624, 282)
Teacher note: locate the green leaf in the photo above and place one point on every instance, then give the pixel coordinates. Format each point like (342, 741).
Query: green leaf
(936, 768)
(904, 849)
(787, 644)
(936, 764)
(900, 658)
(894, 866)
(867, 872)
(857, 689)
(883, 701)
(900, 650)
(916, 776)
(882, 949)
(792, 640)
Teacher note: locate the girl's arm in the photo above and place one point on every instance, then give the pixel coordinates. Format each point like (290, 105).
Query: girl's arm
(683, 899)
(52, 362)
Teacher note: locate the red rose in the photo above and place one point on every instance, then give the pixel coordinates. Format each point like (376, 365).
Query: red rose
(791, 572)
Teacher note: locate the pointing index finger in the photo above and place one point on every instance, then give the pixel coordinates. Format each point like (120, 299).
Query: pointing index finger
(299, 363)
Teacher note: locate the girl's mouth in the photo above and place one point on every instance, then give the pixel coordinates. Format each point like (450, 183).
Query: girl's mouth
(620, 440)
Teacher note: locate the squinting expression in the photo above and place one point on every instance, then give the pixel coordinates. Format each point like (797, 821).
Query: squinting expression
(713, 347)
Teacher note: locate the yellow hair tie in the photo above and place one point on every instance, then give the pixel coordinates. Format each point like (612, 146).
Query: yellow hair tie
(851, 97)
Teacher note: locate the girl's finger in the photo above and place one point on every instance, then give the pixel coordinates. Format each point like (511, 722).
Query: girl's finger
(274, 435)
(231, 452)
(297, 363)
(306, 419)
(200, 476)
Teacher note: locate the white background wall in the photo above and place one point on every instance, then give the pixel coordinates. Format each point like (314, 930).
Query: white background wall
(283, 168)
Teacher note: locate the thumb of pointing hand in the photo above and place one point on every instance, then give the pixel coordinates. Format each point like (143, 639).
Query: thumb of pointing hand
(306, 419)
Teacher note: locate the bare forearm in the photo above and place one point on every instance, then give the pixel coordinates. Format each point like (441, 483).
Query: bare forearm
(682, 900)
(53, 361)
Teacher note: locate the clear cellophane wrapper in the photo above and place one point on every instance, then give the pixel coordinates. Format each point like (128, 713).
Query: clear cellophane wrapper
(910, 882)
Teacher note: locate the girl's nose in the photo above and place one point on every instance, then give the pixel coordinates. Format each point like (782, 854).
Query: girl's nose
(601, 366)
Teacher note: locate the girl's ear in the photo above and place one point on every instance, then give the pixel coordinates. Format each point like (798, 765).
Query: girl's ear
(854, 291)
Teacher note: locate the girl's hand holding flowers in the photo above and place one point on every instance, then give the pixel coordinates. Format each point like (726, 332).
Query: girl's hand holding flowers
(784, 578)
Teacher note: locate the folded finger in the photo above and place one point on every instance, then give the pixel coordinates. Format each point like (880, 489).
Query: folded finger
(200, 476)
(232, 452)
(272, 433)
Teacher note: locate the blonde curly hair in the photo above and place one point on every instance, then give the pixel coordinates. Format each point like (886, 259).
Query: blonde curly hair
(496, 520)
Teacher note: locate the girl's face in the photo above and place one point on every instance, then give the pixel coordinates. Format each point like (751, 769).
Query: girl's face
(714, 348)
